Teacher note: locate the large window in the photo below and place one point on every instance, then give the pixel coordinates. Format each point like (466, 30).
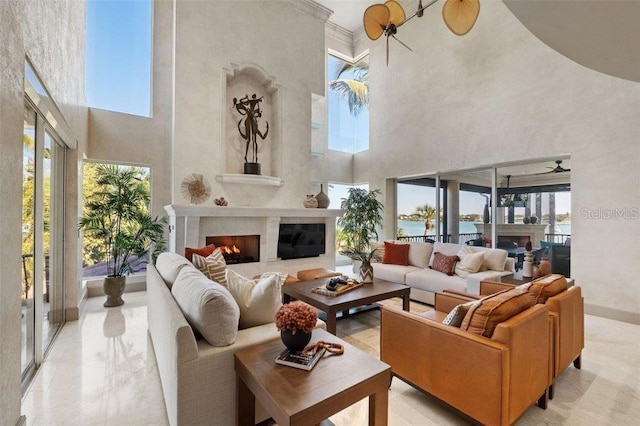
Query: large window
(118, 55)
(348, 104)
(94, 255)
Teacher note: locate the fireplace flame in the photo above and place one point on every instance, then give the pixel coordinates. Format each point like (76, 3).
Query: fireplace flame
(230, 250)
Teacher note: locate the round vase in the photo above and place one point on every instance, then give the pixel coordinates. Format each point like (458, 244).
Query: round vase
(114, 288)
(366, 272)
(323, 199)
(295, 342)
(533, 219)
(310, 202)
(545, 267)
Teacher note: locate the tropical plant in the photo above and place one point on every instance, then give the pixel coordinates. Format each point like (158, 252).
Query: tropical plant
(352, 85)
(428, 213)
(117, 215)
(363, 214)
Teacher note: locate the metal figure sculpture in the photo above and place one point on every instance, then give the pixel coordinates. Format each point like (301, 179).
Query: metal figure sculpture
(249, 108)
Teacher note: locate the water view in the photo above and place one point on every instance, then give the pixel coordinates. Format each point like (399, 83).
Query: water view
(413, 228)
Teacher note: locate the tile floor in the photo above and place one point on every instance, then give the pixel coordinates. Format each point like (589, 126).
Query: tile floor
(101, 371)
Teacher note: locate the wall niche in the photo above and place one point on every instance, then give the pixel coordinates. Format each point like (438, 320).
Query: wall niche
(246, 80)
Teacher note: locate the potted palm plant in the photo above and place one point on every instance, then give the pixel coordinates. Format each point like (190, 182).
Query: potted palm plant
(118, 215)
(363, 214)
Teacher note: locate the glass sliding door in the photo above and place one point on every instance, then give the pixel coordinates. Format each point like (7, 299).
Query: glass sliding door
(42, 238)
(28, 240)
(53, 208)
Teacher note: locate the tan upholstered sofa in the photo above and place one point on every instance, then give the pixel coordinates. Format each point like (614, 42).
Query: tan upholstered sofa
(198, 379)
(492, 379)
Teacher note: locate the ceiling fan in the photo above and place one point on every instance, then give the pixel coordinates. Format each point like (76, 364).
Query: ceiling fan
(557, 169)
(379, 19)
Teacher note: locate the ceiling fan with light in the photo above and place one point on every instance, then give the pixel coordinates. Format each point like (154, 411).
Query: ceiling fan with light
(386, 18)
(557, 169)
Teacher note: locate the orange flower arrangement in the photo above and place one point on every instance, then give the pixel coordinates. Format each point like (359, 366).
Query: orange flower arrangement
(296, 316)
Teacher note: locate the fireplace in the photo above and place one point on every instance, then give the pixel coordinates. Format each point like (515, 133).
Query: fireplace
(237, 248)
(520, 240)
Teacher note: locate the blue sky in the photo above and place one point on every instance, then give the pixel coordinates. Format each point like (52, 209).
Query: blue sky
(118, 55)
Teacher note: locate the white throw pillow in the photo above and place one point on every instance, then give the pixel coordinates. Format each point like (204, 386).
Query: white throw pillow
(258, 301)
(207, 306)
(494, 259)
(169, 265)
(469, 263)
(212, 266)
(420, 254)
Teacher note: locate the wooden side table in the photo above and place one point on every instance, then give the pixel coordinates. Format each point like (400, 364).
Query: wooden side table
(297, 397)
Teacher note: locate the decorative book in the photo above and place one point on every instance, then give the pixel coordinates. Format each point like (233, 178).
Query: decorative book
(352, 285)
(301, 360)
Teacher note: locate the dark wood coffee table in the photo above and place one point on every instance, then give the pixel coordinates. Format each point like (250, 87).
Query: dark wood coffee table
(297, 397)
(364, 295)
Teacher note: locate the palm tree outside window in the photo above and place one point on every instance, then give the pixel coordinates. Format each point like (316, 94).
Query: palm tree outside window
(348, 104)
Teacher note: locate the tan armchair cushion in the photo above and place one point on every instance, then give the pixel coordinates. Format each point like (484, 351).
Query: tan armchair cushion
(546, 287)
(483, 316)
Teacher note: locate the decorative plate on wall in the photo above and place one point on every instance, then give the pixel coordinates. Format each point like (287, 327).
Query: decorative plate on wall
(195, 189)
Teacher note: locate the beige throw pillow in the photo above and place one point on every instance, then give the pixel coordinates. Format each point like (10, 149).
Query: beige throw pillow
(469, 263)
(494, 259)
(169, 266)
(207, 306)
(258, 300)
(212, 266)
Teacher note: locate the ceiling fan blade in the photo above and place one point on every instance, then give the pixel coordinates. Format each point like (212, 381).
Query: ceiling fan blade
(399, 41)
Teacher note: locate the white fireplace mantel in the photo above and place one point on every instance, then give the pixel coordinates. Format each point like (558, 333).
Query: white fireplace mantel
(535, 232)
(190, 225)
(174, 210)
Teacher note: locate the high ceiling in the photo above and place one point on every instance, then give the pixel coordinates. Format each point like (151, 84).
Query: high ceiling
(602, 35)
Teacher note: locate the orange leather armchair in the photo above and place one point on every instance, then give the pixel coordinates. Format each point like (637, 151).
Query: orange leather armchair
(492, 380)
(566, 310)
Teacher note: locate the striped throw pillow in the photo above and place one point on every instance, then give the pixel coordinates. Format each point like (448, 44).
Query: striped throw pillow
(212, 266)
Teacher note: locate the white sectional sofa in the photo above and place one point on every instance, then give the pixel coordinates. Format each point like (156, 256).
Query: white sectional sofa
(425, 282)
(198, 379)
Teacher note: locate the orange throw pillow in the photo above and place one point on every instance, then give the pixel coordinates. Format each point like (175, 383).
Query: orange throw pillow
(202, 251)
(396, 254)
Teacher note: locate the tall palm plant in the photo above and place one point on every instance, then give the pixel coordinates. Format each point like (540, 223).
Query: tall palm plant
(352, 85)
(118, 215)
(363, 214)
(428, 213)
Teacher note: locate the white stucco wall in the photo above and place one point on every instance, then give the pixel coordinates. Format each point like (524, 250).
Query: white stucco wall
(288, 45)
(26, 30)
(498, 94)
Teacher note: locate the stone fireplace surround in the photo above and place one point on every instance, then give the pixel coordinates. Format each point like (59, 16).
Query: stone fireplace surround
(190, 225)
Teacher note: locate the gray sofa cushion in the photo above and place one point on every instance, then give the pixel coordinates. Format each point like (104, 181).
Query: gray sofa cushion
(207, 306)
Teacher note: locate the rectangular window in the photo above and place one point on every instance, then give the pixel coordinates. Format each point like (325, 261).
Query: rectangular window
(95, 259)
(348, 91)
